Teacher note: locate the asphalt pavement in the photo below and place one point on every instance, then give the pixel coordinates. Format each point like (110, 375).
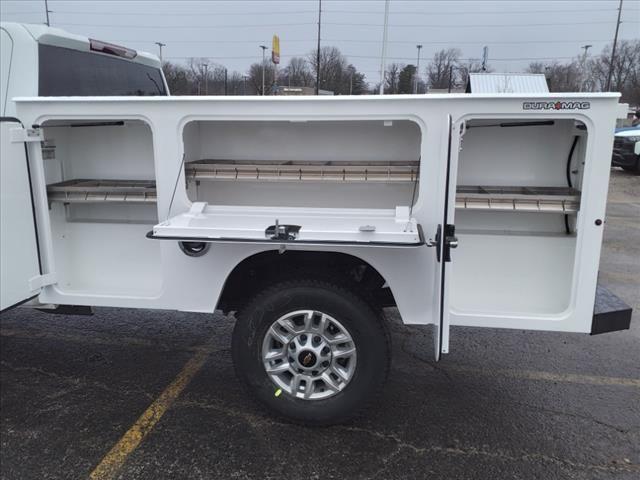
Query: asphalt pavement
(141, 394)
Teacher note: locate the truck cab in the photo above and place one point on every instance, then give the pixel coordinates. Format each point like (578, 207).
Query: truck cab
(37, 60)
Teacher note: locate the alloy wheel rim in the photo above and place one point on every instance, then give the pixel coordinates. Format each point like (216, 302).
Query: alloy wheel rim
(309, 355)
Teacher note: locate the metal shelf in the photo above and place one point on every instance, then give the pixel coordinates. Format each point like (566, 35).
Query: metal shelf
(337, 172)
(518, 199)
(101, 191)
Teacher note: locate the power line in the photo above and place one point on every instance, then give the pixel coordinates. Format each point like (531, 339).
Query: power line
(186, 26)
(471, 25)
(215, 57)
(299, 12)
(344, 24)
(215, 41)
(477, 42)
(22, 13)
(351, 40)
(181, 14)
(505, 59)
(484, 12)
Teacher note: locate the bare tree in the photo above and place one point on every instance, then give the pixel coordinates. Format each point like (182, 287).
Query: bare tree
(207, 76)
(235, 81)
(392, 78)
(255, 78)
(333, 66)
(178, 79)
(625, 68)
(297, 73)
(473, 65)
(560, 77)
(442, 66)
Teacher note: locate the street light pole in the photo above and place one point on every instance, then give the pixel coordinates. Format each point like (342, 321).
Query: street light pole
(416, 75)
(318, 49)
(160, 45)
(584, 66)
(206, 78)
(264, 48)
(47, 11)
(613, 49)
(383, 57)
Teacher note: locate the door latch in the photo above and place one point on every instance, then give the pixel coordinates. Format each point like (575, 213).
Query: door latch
(282, 232)
(450, 241)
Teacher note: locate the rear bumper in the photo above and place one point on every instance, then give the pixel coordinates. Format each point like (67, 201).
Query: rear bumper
(610, 313)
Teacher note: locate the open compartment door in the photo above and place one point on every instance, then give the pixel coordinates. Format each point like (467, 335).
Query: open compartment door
(446, 239)
(374, 227)
(19, 260)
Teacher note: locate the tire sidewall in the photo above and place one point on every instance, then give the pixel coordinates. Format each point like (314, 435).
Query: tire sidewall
(353, 313)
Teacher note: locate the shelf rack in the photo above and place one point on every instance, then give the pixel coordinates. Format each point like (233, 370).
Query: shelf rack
(337, 172)
(469, 197)
(101, 191)
(518, 199)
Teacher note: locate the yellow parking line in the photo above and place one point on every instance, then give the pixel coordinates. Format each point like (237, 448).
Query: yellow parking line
(117, 456)
(549, 377)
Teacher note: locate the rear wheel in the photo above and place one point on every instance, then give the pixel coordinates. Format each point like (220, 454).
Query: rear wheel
(311, 351)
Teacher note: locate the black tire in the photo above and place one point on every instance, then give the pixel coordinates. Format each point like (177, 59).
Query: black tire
(365, 325)
(634, 169)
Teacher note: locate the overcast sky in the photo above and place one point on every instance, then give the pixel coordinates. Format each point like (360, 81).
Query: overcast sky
(230, 32)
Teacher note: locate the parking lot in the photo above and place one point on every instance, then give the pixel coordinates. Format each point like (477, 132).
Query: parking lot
(145, 394)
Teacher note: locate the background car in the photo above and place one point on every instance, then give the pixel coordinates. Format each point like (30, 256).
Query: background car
(626, 149)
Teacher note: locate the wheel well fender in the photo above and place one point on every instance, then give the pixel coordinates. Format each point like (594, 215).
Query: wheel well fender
(260, 270)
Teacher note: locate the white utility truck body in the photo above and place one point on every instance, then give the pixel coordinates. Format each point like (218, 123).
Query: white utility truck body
(198, 203)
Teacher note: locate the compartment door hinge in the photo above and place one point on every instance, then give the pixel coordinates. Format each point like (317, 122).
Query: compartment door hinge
(39, 281)
(19, 135)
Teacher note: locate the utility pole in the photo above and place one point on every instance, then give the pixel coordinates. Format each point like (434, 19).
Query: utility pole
(318, 49)
(450, 78)
(416, 76)
(613, 50)
(47, 12)
(584, 66)
(225, 81)
(383, 57)
(160, 45)
(264, 48)
(205, 66)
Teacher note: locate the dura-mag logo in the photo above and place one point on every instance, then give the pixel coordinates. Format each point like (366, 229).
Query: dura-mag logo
(558, 105)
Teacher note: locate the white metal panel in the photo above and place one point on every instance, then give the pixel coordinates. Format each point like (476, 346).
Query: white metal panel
(194, 284)
(19, 249)
(317, 224)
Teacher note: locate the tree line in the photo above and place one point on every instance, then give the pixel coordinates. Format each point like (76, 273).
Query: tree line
(201, 76)
(445, 70)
